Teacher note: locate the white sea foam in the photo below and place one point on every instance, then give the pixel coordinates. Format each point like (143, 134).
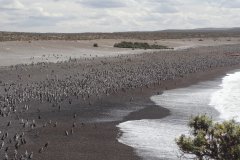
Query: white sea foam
(147, 137)
(227, 99)
(155, 139)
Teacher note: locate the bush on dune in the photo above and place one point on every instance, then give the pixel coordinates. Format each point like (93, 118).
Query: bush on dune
(209, 140)
(95, 45)
(139, 45)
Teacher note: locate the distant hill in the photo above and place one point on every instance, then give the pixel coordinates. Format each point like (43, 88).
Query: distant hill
(152, 35)
(237, 29)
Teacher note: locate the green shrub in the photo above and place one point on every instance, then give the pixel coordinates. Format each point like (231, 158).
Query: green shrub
(139, 45)
(95, 45)
(209, 140)
(124, 45)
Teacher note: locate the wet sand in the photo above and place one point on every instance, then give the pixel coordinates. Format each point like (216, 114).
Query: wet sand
(86, 127)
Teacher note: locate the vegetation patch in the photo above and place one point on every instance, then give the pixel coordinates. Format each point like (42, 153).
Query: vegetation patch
(95, 45)
(139, 45)
(211, 140)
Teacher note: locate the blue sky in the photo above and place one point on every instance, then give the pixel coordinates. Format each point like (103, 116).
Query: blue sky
(116, 15)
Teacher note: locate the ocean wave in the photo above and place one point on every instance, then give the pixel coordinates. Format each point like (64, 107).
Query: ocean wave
(155, 139)
(227, 99)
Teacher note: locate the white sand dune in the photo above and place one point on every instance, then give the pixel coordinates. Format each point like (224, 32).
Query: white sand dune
(16, 52)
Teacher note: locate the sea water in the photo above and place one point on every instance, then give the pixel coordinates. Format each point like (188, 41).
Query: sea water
(155, 139)
(227, 99)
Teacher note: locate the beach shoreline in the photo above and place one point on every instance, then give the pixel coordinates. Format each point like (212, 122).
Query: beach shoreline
(114, 149)
(149, 113)
(95, 117)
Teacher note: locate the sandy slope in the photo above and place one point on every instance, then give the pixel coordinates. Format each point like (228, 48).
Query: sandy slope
(12, 53)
